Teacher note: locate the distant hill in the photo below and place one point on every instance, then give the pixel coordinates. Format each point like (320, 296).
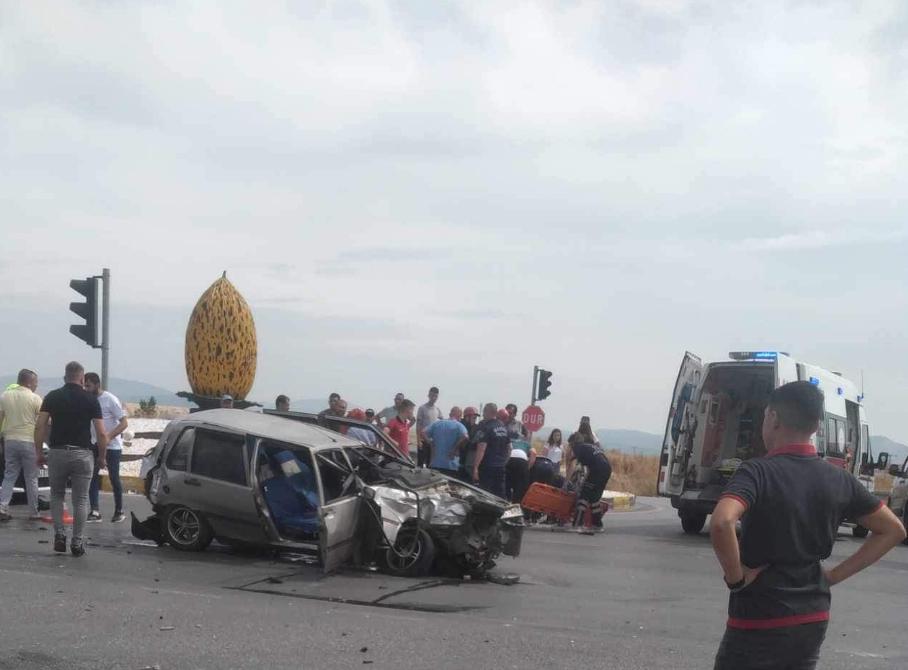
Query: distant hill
(127, 390)
(630, 441)
(898, 452)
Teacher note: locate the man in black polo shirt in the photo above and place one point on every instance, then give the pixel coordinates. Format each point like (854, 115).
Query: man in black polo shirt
(71, 411)
(792, 503)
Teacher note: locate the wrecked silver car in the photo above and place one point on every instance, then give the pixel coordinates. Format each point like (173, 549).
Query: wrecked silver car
(248, 478)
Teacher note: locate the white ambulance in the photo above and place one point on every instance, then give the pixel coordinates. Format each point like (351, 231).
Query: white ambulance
(715, 423)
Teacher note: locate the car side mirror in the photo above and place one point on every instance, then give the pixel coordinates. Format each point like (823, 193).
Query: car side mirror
(865, 458)
(882, 460)
(894, 471)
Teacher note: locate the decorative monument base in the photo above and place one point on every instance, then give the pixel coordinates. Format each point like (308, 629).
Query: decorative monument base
(207, 402)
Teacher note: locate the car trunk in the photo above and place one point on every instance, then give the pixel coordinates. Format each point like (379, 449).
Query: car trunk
(729, 419)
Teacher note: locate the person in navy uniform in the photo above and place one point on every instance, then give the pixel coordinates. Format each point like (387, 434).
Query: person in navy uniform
(584, 448)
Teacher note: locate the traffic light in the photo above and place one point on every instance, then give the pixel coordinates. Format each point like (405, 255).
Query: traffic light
(543, 384)
(88, 310)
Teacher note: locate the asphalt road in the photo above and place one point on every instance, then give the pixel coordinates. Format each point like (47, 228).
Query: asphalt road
(641, 595)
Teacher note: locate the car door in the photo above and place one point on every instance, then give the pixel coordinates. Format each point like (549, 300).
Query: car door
(671, 470)
(217, 485)
(261, 471)
(340, 509)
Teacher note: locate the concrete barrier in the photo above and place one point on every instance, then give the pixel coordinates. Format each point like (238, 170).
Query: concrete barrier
(130, 484)
(618, 500)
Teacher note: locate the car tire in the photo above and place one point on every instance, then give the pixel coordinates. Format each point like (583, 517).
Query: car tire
(693, 523)
(859, 531)
(186, 529)
(418, 562)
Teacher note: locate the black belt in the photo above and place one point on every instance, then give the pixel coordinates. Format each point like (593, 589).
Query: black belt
(70, 447)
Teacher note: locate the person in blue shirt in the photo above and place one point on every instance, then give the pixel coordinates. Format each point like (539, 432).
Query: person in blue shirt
(446, 438)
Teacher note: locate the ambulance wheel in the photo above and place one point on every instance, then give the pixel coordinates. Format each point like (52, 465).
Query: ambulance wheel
(693, 523)
(413, 553)
(186, 529)
(859, 531)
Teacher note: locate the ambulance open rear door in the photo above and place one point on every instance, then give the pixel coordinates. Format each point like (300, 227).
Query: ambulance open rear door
(680, 418)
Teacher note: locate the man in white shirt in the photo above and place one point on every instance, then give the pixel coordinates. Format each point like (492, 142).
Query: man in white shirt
(389, 413)
(425, 417)
(114, 424)
(19, 407)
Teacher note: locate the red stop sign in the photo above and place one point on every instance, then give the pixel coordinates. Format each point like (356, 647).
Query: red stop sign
(533, 418)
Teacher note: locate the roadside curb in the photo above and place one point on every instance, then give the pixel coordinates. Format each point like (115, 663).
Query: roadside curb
(130, 484)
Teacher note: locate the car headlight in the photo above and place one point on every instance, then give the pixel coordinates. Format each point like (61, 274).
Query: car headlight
(512, 512)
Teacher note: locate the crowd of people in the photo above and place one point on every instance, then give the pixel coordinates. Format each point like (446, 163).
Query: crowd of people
(492, 451)
(82, 425)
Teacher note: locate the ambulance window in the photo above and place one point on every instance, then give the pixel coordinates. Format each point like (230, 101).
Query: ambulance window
(835, 437)
(821, 438)
(713, 412)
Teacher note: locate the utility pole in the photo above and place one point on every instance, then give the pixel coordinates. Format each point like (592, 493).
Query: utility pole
(105, 326)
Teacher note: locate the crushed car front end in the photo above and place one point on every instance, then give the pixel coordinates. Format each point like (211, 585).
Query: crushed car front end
(469, 528)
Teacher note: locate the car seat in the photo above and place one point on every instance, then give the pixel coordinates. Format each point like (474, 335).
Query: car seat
(292, 495)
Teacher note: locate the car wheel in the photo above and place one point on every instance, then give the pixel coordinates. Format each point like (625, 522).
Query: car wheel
(413, 553)
(693, 523)
(186, 529)
(859, 531)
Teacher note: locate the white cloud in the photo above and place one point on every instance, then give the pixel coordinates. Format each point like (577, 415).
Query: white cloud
(501, 184)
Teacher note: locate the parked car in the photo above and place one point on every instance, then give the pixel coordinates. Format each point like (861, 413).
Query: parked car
(898, 499)
(280, 482)
(19, 495)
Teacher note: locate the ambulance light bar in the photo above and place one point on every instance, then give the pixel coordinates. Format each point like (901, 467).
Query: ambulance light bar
(755, 355)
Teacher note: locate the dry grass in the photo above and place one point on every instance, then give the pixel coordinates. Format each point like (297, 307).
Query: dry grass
(631, 473)
(635, 474)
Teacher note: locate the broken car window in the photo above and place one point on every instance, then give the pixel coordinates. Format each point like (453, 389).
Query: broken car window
(337, 479)
(178, 458)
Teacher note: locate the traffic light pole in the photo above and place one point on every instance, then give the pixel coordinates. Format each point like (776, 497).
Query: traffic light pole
(105, 325)
(535, 377)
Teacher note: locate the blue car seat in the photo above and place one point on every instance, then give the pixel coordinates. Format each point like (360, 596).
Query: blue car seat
(292, 494)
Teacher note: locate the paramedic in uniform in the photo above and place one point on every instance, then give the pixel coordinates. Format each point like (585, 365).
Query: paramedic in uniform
(584, 448)
(792, 503)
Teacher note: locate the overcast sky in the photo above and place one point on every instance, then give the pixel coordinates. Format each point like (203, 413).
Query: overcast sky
(429, 193)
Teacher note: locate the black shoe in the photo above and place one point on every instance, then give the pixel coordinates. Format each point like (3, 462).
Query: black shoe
(77, 549)
(60, 543)
(118, 517)
(93, 517)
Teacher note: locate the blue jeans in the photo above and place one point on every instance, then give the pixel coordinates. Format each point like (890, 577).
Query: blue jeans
(493, 481)
(113, 471)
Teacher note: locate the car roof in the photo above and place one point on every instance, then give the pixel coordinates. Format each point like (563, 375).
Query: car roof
(268, 426)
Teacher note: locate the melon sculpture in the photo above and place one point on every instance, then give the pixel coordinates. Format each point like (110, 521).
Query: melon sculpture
(220, 343)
